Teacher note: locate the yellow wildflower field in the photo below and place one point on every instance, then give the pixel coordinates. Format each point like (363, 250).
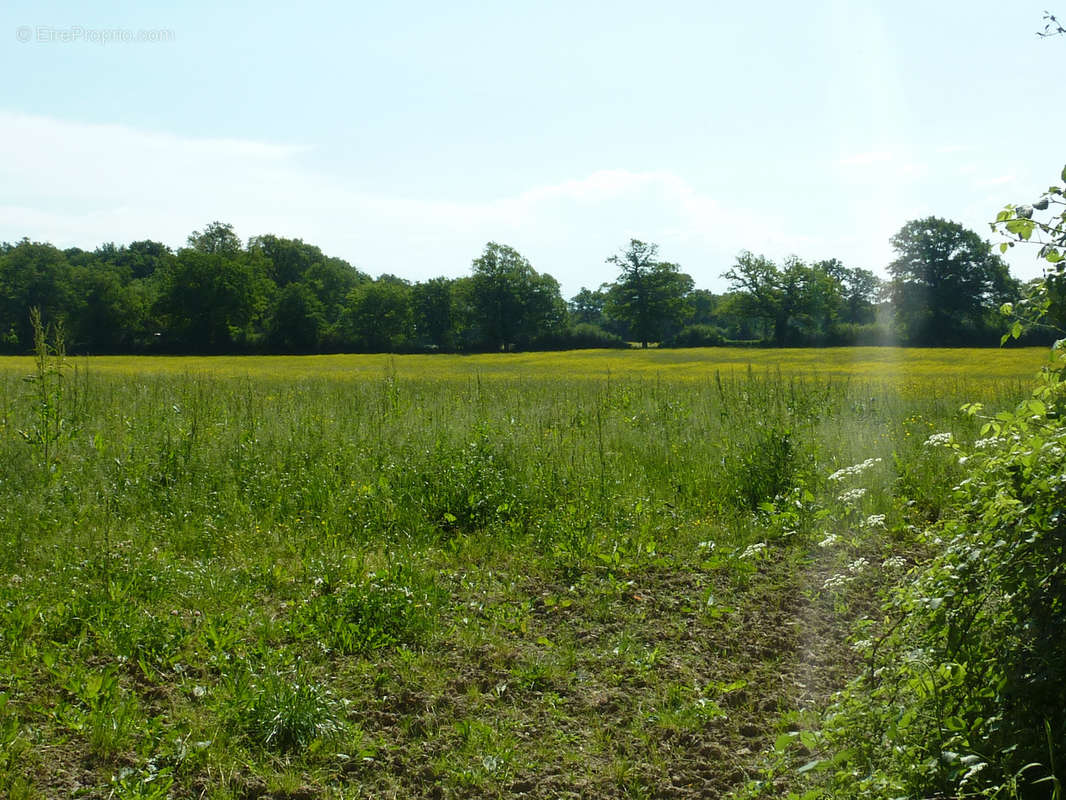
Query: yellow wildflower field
(903, 366)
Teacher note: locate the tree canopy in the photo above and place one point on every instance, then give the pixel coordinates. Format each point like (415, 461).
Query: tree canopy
(275, 294)
(648, 294)
(946, 284)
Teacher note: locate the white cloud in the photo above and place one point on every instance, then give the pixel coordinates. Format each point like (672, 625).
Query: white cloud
(78, 184)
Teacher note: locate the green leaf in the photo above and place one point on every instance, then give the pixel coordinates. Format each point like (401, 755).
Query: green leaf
(1003, 247)
(1064, 173)
(1016, 330)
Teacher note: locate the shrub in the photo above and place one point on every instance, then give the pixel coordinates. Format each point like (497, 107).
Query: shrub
(583, 336)
(965, 695)
(696, 336)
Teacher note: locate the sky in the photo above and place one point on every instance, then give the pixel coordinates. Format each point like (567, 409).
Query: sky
(403, 137)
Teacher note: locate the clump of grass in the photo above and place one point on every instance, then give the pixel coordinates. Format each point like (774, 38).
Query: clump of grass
(283, 710)
(392, 606)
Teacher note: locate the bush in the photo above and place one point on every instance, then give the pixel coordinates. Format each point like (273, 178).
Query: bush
(696, 336)
(965, 695)
(583, 336)
(847, 334)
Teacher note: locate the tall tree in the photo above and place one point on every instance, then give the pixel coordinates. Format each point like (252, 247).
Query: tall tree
(217, 238)
(208, 300)
(761, 291)
(587, 306)
(649, 294)
(802, 304)
(511, 301)
(433, 305)
(289, 259)
(378, 318)
(946, 283)
(296, 322)
(32, 274)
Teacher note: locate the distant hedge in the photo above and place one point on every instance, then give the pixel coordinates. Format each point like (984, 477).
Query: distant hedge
(583, 336)
(696, 336)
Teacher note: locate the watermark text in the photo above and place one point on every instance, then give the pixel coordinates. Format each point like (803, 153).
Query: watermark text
(77, 34)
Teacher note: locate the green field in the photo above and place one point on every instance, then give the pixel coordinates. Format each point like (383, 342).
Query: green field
(591, 574)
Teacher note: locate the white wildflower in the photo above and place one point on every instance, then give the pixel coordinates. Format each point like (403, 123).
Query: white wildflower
(940, 440)
(895, 562)
(829, 540)
(875, 521)
(858, 565)
(753, 550)
(836, 582)
(854, 469)
(991, 441)
(852, 496)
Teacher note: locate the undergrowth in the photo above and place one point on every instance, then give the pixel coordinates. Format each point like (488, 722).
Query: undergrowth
(963, 689)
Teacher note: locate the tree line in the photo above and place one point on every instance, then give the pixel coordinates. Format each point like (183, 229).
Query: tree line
(277, 295)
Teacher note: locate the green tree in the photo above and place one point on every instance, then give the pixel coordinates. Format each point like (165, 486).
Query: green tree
(378, 318)
(799, 303)
(107, 313)
(587, 306)
(289, 259)
(32, 275)
(762, 290)
(434, 311)
(860, 292)
(217, 238)
(946, 284)
(297, 322)
(649, 294)
(511, 302)
(209, 300)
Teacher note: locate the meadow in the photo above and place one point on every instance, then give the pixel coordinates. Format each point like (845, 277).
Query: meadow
(590, 574)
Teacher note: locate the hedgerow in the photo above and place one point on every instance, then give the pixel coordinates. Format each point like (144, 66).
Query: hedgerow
(964, 694)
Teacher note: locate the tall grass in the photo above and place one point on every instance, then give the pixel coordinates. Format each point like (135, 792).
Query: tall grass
(180, 578)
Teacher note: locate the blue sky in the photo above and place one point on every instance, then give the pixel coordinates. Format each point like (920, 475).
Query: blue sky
(403, 137)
